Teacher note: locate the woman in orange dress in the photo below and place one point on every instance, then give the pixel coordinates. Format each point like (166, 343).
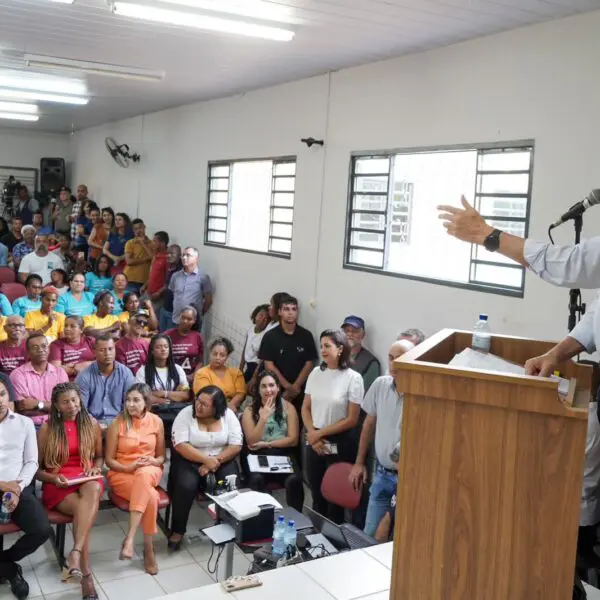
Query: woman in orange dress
(135, 454)
(70, 447)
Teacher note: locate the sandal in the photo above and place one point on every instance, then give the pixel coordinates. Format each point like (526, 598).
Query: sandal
(74, 574)
(94, 595)
(150, 567)
(122, 555)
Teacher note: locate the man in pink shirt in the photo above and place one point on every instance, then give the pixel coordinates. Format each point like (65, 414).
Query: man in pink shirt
(35, 380)
(132, 350)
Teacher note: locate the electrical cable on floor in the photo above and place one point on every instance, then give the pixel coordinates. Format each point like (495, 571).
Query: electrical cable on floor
(214, 571)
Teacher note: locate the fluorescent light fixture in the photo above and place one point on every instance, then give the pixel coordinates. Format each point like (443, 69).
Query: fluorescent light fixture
(63, 1)
(255, 9)
(42, 96)
(201, 21)
(93, 68)
(18, 107)
(18, 116)
(42, 82)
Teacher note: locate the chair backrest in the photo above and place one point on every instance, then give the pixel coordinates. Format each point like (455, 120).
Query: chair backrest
(13, 291)
(7, 275)
(337, 489)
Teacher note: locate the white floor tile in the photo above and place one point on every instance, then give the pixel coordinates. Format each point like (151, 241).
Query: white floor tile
(106, 566)
(380, 596)
(199, 548)
(35, 590)
(240, 565)
(73, 592)
(141, 587)
(183, 578)
(106, 517)
(48, 575)
(165, 558)
(44, 554)
(105, 537)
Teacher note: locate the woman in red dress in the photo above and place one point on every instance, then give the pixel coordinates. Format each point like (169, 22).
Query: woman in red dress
(70, 447)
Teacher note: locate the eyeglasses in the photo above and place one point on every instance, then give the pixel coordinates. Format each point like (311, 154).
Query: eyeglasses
(14, 325)
(141, 322)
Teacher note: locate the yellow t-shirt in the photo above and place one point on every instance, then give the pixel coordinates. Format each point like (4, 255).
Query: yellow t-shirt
(138, 273)
(3, 334)
(96, 322)
(231, 383)
(36, 320)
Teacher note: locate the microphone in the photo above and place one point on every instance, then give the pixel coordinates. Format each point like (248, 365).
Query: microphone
(579, 208)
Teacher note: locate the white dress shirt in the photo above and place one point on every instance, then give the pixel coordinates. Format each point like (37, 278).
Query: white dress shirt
(577, 266)
(18, 449)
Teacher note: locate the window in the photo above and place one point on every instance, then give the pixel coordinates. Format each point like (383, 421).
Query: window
(251, 205)
(393, 224)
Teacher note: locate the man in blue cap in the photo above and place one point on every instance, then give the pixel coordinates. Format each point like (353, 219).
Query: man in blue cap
(363, 361)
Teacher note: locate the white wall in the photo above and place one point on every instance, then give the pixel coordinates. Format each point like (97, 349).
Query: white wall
(25, 148)
(535, 83)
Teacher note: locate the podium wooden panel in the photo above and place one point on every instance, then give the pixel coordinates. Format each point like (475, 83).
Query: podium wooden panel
(490, 476)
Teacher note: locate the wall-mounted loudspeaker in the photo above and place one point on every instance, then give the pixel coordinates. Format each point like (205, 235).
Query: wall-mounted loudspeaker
(52, 175)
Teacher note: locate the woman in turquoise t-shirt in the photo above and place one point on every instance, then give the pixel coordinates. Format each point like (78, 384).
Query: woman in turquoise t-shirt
(32, 301)
(76, 302)
(100, 278)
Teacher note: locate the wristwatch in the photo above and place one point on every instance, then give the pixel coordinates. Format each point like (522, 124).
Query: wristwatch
(492, 241)
(41, 405)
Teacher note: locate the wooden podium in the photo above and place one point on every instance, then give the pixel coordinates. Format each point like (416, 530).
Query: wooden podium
(490, 476)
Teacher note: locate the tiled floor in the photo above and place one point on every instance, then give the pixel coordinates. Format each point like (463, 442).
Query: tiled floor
(119, 580)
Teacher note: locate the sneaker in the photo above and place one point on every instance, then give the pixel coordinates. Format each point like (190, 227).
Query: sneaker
(18, 585)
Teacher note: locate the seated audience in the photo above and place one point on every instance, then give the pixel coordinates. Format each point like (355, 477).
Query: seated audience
(60, 280)
(13, 350)
(132, 348)
(289, 351)
(168, 382)
(188, 345)
(98, 234)
(217, 373)
(274, 306)
(159, 267)
(3, 255)
(14, 236)
(103, 322)
(132, 303)
(135, 454)
(70, 447)
(416, 336)
(207, 438)
(35, 380)
(32, 301)
(5, 307)
(330, 411)
(24, 247)
(100, 278)
(40, 262)
(76, 301)
(104, 383)
(74, 352)
(362, 360)
(46, 320)
(4, 228)
(119, 291)
(138, 256)
(114, 247)
(18, 449)
(250, 361)
(174, 265)
(271, 427)
(383, 405)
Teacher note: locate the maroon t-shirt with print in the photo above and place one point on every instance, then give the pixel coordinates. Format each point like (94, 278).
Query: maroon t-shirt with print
(188, 350)
(12, 357)
(132, 353)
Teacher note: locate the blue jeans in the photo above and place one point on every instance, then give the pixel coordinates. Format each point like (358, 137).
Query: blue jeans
(380, 495)
(165, 320)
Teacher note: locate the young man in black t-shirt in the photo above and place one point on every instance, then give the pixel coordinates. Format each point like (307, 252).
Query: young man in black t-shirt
(289, 351)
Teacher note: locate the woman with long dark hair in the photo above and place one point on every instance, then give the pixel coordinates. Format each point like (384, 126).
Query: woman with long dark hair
(271, 427)
(330, 411)
(167, 380)
(100, 277)
(114, 247)
(135, 454)
(70, 448)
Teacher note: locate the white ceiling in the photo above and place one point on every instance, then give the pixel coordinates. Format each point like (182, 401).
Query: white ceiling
(330, 34)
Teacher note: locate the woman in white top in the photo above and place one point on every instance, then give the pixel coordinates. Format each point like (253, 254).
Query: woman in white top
(330, 411)
(250, 360)
(207, 437)
(167, 380)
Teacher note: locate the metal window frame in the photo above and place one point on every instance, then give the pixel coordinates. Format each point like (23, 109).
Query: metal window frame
(524, 144)
(230, 163)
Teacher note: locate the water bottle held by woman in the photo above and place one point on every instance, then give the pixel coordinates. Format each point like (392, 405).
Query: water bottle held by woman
(5, 513)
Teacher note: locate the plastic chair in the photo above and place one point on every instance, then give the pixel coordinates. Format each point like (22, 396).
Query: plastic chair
(337, 489)
(7, 275)
(13, 291)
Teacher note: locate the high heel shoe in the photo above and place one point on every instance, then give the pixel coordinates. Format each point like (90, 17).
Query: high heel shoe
(73, 574)
(150, 565)
(175, 545)
(94, 594)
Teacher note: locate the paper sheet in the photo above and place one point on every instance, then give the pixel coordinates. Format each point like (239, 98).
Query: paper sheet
(244, 505)
(281, 462)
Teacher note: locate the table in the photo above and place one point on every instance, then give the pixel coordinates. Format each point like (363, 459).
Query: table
(357, 575)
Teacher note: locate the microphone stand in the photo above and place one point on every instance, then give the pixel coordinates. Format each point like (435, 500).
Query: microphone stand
(576, 306)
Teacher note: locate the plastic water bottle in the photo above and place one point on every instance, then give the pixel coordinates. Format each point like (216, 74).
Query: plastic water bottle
(4, 512)
(290, 538)
(279, 536)
(482, 335)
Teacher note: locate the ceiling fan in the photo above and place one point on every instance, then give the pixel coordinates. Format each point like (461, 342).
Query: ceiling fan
(120, 153)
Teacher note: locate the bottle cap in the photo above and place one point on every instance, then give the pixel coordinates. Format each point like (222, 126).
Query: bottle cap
(483, 317)
(291, 523)
(281, 519)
